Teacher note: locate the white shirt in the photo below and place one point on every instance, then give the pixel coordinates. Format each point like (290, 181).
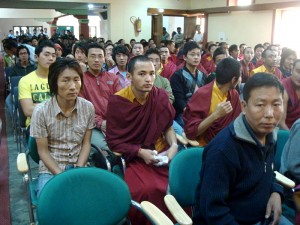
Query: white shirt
(198, 37)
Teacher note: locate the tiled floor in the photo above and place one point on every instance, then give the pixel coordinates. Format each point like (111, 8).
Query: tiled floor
(18, 201)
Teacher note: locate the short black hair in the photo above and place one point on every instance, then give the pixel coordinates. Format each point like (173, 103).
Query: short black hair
(57, 68)
(258, 46)
(227, 69)
(259, 80)
(43, 44)
(80, 45)
(19, 48)
(218, 51)
(134, 60)
(232, 48)
(153, 51)
(94, 45)
(189, 46)
(120, 49)
(210, 46)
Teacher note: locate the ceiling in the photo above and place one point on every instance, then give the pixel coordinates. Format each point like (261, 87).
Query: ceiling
(67, 7)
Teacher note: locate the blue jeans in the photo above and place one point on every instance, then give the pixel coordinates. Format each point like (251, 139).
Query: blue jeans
(43, 178)
(177, 128)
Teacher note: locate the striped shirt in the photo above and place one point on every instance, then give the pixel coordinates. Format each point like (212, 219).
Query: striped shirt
(64, 134)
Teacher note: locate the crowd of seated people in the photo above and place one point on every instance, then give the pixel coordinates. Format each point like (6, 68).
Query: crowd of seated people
(142, 94)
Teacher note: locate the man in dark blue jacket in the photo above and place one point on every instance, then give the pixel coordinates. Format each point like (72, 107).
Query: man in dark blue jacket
(237, 180)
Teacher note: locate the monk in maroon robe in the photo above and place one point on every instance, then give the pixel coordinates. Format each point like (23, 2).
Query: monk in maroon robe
(168, 70)
(139, 120)
(215, 105)
(208, 63)
(291, 97)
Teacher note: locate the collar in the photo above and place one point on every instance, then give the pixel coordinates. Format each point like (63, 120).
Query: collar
(269, 71)
(57, 110)
(243, 131)
(160, 69)
(218, 91)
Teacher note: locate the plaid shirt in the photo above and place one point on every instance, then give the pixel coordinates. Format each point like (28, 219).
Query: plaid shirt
(64, 134)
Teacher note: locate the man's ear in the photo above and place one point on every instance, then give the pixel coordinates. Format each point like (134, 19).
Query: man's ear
(36, 58)
(128, 76)
(244, 106)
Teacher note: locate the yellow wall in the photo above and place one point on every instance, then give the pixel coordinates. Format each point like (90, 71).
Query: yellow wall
(241, 27)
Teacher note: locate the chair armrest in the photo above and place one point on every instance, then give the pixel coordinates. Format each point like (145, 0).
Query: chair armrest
(177, 211)
(155, 214)
(284, 180)
(22, 163)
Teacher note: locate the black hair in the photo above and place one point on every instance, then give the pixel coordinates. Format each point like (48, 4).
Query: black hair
(210, 46)
(57, 68)
(43, 44)
(258, 46)
(19, 48)
(120, 49)
(259, 80)
(218, 51)
(153, 51)
(95, 45)
(134, 60)
(264, 53)
(227, 69)
(232, 48)
(80, 45)
(189, 46)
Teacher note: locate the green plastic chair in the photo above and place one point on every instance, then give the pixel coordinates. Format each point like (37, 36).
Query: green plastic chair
(88, 196)
(184, 175)
(282, 137)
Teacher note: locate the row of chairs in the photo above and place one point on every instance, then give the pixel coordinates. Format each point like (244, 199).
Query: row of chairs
(90, 194)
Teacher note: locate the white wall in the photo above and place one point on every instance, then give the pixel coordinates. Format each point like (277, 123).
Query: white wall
(120, 25)
(203, 4)
(241, 27)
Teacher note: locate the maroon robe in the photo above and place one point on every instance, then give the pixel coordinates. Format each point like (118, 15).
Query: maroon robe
(208, 63)
(131, 126)
(293, 107)
(246, 71)
(198, 108)
(169, 70)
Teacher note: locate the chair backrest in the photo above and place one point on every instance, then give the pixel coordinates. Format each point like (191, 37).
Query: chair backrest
(14, 81)
(184, 175)
(21, 117)
(282, 137)
(7, 71)
(33, 151)
(88, 196)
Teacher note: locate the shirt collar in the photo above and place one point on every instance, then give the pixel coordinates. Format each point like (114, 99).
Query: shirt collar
(57, 110)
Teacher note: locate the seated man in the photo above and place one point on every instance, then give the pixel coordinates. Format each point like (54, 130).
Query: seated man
(120, 55)
(291, 101)
(237, 179)
(34, 88)
(207, 59)
(215, 105)
(22, 68)
(98, 86)
(187, 80)
(269, 66)
(168, 66)
(62, 126)
(139, 126)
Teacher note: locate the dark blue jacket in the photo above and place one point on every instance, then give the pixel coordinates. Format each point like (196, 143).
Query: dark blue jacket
(237, 177)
